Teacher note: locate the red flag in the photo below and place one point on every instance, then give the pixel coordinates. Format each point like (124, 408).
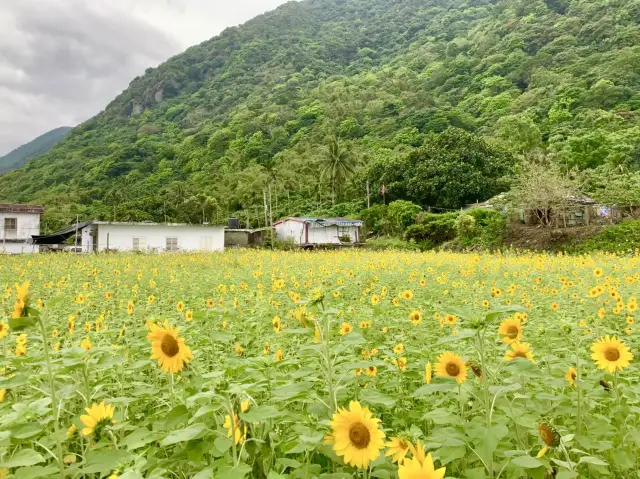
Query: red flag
(383, 190)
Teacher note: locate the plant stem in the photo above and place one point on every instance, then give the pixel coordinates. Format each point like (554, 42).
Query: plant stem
(485, 389)
(329, 360)
(579, 404)
(54, 400)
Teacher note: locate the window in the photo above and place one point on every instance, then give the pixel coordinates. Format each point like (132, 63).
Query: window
(139, 244)
(172, 244)
(344, 234)
(206, 243)
(11, 225)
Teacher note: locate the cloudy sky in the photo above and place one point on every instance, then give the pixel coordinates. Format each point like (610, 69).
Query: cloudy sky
(62, 61)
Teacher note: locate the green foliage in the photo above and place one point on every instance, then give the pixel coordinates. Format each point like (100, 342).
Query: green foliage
(434, 228)
(452, 169)
(253, 108)
(621, 238)
(402, 214)
(376, 220)
(466, 226)
(390, 243)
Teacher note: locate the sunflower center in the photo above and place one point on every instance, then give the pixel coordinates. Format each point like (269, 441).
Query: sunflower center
(512, 332)
(612, 354)
(359, 435)
(573, 375)
(520, 354)
(452, 369)
(169, 345)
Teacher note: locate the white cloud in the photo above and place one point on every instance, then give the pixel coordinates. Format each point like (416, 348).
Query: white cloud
(63, 61)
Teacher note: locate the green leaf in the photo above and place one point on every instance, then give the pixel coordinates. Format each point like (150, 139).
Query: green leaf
(204, 474)
(139, 438)
(527, 462)
(35, 472)
(260, 413)
(433, 388)
(19, 324)
(376, 398)
(565, 474)
(464, 334)
(460, 312)
(130, 475)
(238, 472)
(105, 460)
(182, 435)
(291, 390)
(24, 457)
(592, 460)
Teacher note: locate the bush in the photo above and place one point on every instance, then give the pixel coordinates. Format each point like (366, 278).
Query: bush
(402, 214)
(390, 242)
(466, 226)
(434, 228)
(375, 219)
(623, 237)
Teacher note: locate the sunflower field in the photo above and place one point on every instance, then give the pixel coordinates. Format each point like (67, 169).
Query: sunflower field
(259, 364)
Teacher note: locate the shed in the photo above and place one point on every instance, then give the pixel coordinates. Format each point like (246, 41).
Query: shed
(319, 231)
(245, 238)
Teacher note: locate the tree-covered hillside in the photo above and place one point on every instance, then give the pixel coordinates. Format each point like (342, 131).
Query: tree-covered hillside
(37, 147)
(313, 99)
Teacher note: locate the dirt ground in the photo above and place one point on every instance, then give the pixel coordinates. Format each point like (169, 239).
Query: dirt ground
(539, 238)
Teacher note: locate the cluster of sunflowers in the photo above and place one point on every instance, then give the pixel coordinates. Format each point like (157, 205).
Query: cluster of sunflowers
(268, 364)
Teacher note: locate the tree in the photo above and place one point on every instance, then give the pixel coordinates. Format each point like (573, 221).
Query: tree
(543, 190)
(337, 164)
(454, 168)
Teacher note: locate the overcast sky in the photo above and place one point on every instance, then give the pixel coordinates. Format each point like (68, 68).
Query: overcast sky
(63, 61)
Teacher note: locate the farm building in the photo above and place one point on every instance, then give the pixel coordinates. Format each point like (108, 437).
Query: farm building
(319, 231)
(18, 223)
(97, 236)
(245, 238)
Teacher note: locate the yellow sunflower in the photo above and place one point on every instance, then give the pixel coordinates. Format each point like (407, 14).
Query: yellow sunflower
(611, 354)
(397, 448)
(414, 468)
(98, 416)
(415, 317)
(451, 365)
(428, 373)
(4, 329)
(511, 330)
(398, 348)
(519, 350)
(571, 375)
(345, 328)
(168, 348)
(233, 430)
(356, 435)
(276, 324)
(279, 355)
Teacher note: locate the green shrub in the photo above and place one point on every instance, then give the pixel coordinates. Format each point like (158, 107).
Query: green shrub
(390, 242)
(466, 226)
(434, 228)
(623, 237)
(402, 214)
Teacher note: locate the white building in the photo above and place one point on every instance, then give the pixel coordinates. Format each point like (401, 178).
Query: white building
(18, 223)
(151, 237)
(319, 231)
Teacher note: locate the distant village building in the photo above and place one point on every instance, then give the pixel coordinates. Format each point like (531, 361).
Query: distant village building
(319, 231)
(99, 236)
(18, 223)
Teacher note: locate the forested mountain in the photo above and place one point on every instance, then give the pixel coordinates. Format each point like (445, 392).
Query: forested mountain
(37, 147)
(316, 97)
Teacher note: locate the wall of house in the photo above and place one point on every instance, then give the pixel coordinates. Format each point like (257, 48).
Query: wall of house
(13, 247)
(190, 238)
(28, 225)
(236, 238)
(331, 234)
(291, 230)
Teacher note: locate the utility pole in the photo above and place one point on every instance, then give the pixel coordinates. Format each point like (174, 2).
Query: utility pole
(266, 215)
(270, 217)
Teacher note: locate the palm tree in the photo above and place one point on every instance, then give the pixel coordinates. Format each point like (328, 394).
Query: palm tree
(337, 164)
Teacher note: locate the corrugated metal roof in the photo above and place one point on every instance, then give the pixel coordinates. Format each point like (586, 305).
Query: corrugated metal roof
(324, 222)
(12, 208)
